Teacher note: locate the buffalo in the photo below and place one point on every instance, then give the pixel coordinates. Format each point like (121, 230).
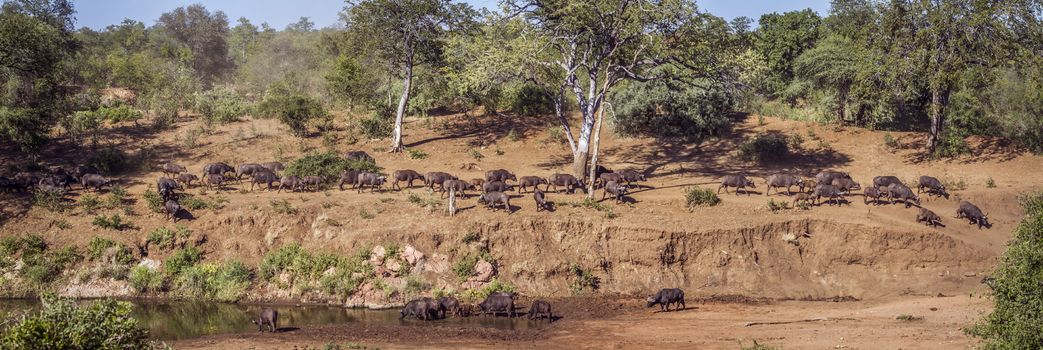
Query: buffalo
(499, 175)
(266, 177)
(495, 199)
(373, 180)
(783, 181)
(539, 310)
(407, 176)
(348, 176)
(94, 181)
(928, 217)
(569, 182)
(667, 296)
(171, 208)
(268, 317)
(973, 213)
(496, 304)
(530, 181)
(171, 169)
(737, 181)
(541, 200)
(932, 186)
(617, 190)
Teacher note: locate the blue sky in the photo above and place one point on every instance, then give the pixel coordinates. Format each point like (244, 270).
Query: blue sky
(101, 13)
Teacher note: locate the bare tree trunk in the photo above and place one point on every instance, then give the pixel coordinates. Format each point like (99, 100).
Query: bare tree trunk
(452, 202)
(582, 152)
(407, 82)
(937, 119)
(594, 157)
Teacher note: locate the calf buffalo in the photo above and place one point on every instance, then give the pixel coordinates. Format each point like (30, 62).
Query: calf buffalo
(928, 217)
(541, 200)
(496, 304)
(539, 310)
(171, 169)
(872, 193)
(617, 190)
(631, 176)
(312, 182)
(171, 208)
(212, 180)
(569, 182)
(495, 199)
(268, 317)
(607, 177)
(450, 305)
(973, 213)
(783, 181)
(186, 179)
(737, 181)
(667, 296)
(407, 176)
(293, 183)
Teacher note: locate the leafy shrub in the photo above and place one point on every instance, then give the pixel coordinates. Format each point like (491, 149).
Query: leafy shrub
(89, 203)
(530, 100)
(101, 248)
(282, 206)
(582, 280)
(464, 268)
(52, 201)
(144, 279)
(379, 124)
(695, 196)
(493, 286)
(39, 264)
(327, 165)
(220, 105)
(110, 160)
(182, 259)
(165, 238)
(153, 200)
(60, 324)
(119, 112)
(1017, 320)
(295, 110)
(422, 202)
(304, 269)
(664, 109)
(891, 142)
(952, 143)
(417, 154)
(114, 222)
(764, 147)
(776, 206)
(116, 197)
(226, 282)
(990, 183)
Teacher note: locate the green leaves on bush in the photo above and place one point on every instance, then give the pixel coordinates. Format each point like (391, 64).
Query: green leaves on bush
(765, 147)
(305, 270)
(220, 106)
(61, 324)
(379, 124)
(661, 109)
(226, 282)
(297, 111)
(695, 196)
(109, 251)
(144, 279)
(114, 222)
(327, 165)
(182, 259)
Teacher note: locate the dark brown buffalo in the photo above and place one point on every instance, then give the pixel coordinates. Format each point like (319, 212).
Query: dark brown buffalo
(478, 183)
(407, 176)
(499, 175)
(830, 192)
(617, 190)
(826, 177)
(359, 156)
(885, 181)
(928, 217)
(846, 185)
(275, 167)
(94, 181)
(973, 213)
(631, 176)
(737, 181)
(266, 177)
(933, 186)
(783, 181)
(166, 187)
(373, 180)
(872, 193)
(495, 186)
(171, 208)
(293, 183)
(459, 187)
(495, 199)
(312, 182)
(541, 200)
(82, 170)
(269, 318)
(450, 305)
(217, 168)
(569, 182)
(350, 177)
(606, 177)
(900, 192)
(530, 181)
(667, 296)
(248, 169)
(540, 309)
(496, 304)
(437, 178)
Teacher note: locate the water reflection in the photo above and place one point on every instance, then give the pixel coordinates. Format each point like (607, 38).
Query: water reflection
(171, 320)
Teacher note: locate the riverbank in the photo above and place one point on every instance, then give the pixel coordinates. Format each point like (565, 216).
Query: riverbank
(909, 322)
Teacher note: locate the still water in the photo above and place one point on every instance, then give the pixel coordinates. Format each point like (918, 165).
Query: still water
(171, 320)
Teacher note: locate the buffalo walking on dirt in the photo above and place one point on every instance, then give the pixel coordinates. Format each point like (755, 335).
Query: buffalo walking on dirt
(738, 181)
(974, 214)
(667, 296)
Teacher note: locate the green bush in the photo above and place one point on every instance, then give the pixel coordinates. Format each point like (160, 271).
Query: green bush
(89, 203)
(891, 142)
(165, 238)
(1017, 287)
(153, 200)
(952, 143)
(776, 206)
(530, 100)
(116, 197)
(493, 286)
(417, 154)
(105, 249)
(182, 259)
(109, 160)
(226, 282)
(379, 124)
(296, 111)
(52, 201)
(114, 222)
(220, 106)
(695, 196)
(765, 147)
(305, 269)
(664, 109)
(328, 165)
(144, 279)
(582, 280)
(282, 206)
(39, 264)
(61, 324)
(119, 112)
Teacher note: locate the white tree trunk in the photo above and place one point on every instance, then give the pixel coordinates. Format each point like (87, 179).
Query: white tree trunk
(594, 152)
(407, 82)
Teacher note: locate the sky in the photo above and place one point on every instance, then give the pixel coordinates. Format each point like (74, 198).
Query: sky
(98, 14)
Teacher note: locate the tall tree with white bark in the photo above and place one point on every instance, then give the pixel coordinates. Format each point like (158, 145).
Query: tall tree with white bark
(405, 34)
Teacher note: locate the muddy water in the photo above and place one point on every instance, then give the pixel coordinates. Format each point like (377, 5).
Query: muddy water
(170, 320)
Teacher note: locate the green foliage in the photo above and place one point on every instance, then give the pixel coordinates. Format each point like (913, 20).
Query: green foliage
(464, 268)
(153, 201)
(776, 206)
(696, 196)
(297, 111)
(429, 202)
(196, 203)
(114, 222)
(493, 286)
(182, 259)
(118, 113)
(672, 110)
(110, 160)
(327, 165)
(475, 154)
(101, 249)
(167, 239)
(282, 206)
(350, 81)
(89, 203)
(226, 282)
(220, 106)
(781, 39)
(40, 264)
(582, 280)
(952, 144)
(50, 200)
(891, 142)
(116, 197)
(1016, 284)
(61, 324)
(200, 36)
(304, 269)
(589, 203)
(990, 183)
(378, 124)
(417, 154)
(764, 147)
(143, 279)
(908, 318)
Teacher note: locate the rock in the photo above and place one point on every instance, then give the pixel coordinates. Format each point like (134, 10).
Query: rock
(483, 271)
(150, 264)
(437, 264)
(411, 255)
(393, 265)
(376, 256)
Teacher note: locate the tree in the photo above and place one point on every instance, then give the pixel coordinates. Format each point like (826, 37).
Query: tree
(61, 324)
(592, 46)
(304, 24)
(243, 39)
(203, 33)
(781, 38)
(832, 65)
(405, 34)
